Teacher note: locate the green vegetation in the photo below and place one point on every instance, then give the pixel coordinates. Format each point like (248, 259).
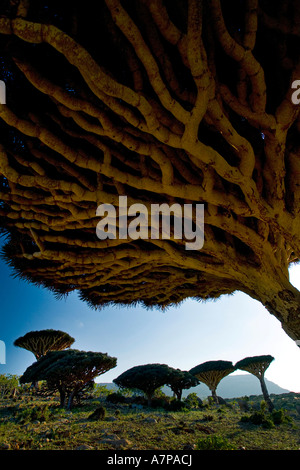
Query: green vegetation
(8, 384)
(267, 420)
(30, 422)
(67, 410)
(214, 443)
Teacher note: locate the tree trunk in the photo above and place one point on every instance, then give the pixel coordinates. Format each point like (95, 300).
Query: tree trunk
(266, 394)
(280, 298)
(70, 400)
(35, 385)
(149, 398)
(215, 396)
(178, 394)
(62, 397)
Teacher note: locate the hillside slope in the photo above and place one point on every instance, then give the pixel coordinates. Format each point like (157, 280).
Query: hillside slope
(230, 387)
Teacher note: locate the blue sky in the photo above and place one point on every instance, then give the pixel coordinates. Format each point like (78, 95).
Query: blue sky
(231, 328)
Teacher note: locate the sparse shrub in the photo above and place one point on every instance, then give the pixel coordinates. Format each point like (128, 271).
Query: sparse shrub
(159, 402)
(267, 420)
(208, 418)
(98, 414)
(9, 384)
(193, 401)
(280, 417)
(263, 406)
(100, 391)
(214, 443)
(36, 413)
(116, 397)
(267, 423)
(257, 417)
(177, 405)
(139, 400)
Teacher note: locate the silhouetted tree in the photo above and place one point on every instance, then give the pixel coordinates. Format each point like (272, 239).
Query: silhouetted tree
(211, 373)
(180, 380)
(257, 365)
(68, 371)
(146, 378)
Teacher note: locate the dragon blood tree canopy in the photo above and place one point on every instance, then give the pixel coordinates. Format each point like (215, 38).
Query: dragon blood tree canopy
(69, 371)
(42, 341)
(168, 101)
(212, 372)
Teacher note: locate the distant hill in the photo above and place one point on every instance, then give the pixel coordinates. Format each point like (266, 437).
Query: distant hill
(233, 386)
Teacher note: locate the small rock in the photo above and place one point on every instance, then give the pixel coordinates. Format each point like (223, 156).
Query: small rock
(189, 447)
(115, 441)
(84, 447)
(98, 414)
(111, 418)
(112, 437)
(4, 446)
(123, 443)
(150, 420)
(106, 440)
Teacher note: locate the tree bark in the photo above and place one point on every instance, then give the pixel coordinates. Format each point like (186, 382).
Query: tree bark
(281, 299)
(70, 400)
(180, 109)
(149, 398)
(266, 394)
(215, 396)
(62, 396)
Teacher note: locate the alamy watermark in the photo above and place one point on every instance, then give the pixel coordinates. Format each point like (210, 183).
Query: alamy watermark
(2, 92)
(296, 94)
(2, 352)
(159, 221)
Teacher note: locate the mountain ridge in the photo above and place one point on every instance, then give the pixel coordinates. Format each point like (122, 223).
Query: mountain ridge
(234, 386)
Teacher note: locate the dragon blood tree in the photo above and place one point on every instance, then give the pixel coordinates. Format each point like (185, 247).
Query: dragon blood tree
(257, 365)
(211, 373)
(68, 371)
(162, 101)
(146, 378)
(42, 341)
(180, 380)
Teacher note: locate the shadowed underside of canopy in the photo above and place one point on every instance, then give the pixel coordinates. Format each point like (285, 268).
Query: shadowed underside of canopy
(165, 102)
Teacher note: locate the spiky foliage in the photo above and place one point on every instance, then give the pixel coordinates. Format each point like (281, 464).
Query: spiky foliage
(146, 378)
(180, 380)
(42, 341)
(68, 371)
(211, 373)
(162, 101)
(257, 365)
